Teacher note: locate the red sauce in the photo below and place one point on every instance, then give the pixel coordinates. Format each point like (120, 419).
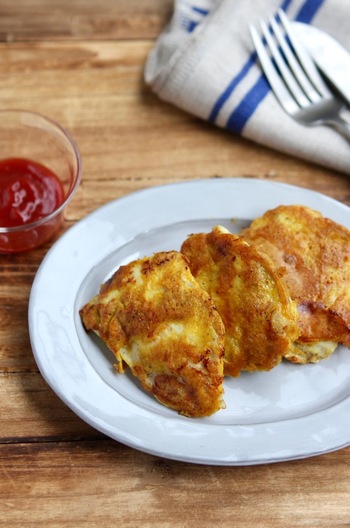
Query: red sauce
(28, 191)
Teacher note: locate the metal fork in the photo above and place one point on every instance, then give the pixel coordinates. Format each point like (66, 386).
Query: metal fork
(294, 78)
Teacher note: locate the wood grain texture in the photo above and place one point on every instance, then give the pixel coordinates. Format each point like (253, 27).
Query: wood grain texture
(100, 482)
(81, 62)
(65, 19)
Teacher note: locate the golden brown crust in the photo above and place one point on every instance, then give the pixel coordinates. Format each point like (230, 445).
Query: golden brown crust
(314, 253)
(260, 319)
(156, 319)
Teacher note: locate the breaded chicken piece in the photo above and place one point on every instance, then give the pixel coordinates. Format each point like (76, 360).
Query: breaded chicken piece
(157, 320)
(260, 319)
(314, 253)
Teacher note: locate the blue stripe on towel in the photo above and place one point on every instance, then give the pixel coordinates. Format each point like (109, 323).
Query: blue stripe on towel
(191, 25)
(230, 88)
(236, 80)
(239, 117)
(308, 11)
(200, 10)
(189, 21)
(248, 105)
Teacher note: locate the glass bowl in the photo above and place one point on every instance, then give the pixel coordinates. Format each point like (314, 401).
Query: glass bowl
(31, 136)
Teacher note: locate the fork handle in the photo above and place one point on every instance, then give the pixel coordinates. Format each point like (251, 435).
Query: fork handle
(342, 126)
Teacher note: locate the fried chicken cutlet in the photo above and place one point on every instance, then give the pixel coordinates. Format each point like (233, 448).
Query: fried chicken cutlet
(314, 253)
(156, 319)
(260, 319)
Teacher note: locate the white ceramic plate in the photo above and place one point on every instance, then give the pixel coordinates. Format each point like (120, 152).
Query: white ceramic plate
(290, 412)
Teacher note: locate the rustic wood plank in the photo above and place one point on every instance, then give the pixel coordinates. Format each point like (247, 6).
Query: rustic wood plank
(62, 19)
(104, 483)
(29, 409)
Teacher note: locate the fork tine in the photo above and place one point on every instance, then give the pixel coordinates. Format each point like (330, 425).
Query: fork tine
(326, 111)
(278, 86)
(305, 60)
(299, 73)
(283, 68)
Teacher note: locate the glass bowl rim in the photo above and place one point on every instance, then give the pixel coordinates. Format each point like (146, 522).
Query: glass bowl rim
(73, 188)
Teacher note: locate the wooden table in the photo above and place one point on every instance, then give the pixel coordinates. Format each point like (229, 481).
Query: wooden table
(81, 62)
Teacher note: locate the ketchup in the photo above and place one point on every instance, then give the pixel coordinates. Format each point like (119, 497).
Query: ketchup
(28, 191)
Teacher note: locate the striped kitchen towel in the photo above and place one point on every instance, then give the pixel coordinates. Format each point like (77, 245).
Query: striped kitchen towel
(204, 63)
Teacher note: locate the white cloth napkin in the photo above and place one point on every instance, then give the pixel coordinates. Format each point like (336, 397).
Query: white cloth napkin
(204, 63)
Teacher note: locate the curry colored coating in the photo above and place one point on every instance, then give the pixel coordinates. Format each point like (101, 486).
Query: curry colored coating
(157, 320)
(260, 319)
(314, 254)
